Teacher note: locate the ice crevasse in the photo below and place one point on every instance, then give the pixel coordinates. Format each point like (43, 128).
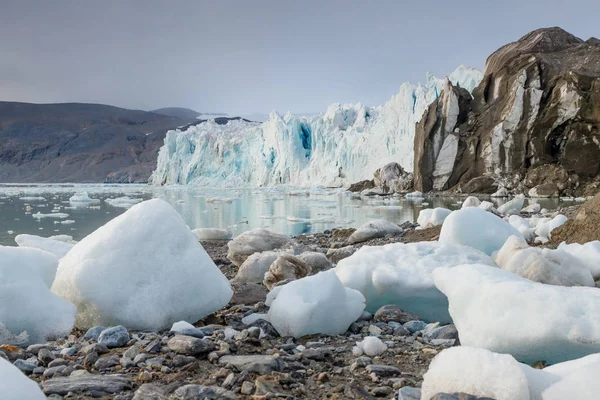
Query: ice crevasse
(345, 144)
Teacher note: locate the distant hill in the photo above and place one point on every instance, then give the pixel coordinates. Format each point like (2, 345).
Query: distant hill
(178, 112)
(77, 142)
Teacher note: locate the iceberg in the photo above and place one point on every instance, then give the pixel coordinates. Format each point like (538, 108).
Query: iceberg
(345, 144)
(497, 310)
(400, 274)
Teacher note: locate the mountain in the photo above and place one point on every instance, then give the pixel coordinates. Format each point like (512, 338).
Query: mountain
(75, 142)
(177, 112)
(343, 145)
(532, 125)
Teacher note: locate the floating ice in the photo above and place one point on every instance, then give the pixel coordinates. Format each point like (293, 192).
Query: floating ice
(32, 198)
(123, 202)
(553, 267)
(513, 206)
(430, 217)
(39, 215)
(471, 201)
(400, 274)
(343, 145)
(314, 304)
(503, 312)
(82, 199)
(477, 228)
(26, 303)
(14, 385)
(414, 195)
(144, 269)
(57, 247)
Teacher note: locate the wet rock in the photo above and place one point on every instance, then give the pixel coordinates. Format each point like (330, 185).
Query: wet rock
(106, 384)
(188, 345)
(260, 364)
(383, 370)
(116, 336)
(194, 392)
(150, 392)
(93, 333)
(409, 393)
(394, 313)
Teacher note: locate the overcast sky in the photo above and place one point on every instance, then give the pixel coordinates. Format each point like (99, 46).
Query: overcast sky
(251, 56)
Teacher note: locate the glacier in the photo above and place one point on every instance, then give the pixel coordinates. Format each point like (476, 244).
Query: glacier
(346, 144)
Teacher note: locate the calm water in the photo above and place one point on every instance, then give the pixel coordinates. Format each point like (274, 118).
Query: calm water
(289, 211)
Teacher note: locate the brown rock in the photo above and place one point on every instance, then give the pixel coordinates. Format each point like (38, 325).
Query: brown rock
(286, 267)
(585, 227)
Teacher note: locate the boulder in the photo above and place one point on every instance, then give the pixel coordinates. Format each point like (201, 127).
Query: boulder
(254, 241)
(392, 178)
(374, 229)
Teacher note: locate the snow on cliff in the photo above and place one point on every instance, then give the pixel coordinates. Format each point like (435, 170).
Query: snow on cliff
(345, 144)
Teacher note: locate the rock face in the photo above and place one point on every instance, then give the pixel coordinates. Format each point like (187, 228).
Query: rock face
(392, 178)
(583, 228)
(533, 120)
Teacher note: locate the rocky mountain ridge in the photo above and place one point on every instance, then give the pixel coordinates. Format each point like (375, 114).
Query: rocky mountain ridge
(532, 125)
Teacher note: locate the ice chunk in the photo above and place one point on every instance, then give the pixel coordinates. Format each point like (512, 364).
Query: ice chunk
(486, 205)
(582, 385)
(431, 217)
(82, 199)
(374, 229)
(254, 268)
(523, 226)
(478, 372)
(503, 312)
(471, 201)
(553, 267)
(212, 234)
(533, 208)
(14, 385)
(144, 269)
(414, 195)
(26, 303)
(315, 304)
(39, 215)
(545, 229)
(123, 202)
(400, 274)
(513, 206)
(57, 247)
(477, 228)
(181, 326)
(371, 346)
(588, 253)
(254, 241)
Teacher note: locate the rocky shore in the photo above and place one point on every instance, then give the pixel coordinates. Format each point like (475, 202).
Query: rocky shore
(223, 358)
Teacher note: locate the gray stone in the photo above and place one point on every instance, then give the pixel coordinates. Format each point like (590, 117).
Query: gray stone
(335, 255)
(259, 364)
(179, 360)
(149, 391)
(117, 336)
(409, 393)
(189, 345)
(69, 351)
(444, 332)
(93, 333)
(383, 370)
(394, 313)
(57, 361)
(140, 358)
(105, 363)
(195, 392)
(25, 366)
(39, 371)
(195, 332)
(35, 348)
(50, 372)
(131, 352)
(94, 348)
(108, 384)
(415, 326)
(45, 356)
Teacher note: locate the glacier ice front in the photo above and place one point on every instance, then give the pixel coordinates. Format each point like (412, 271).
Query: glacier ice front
(345, 144)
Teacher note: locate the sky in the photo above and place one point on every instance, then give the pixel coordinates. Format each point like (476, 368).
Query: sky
(254, 56)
